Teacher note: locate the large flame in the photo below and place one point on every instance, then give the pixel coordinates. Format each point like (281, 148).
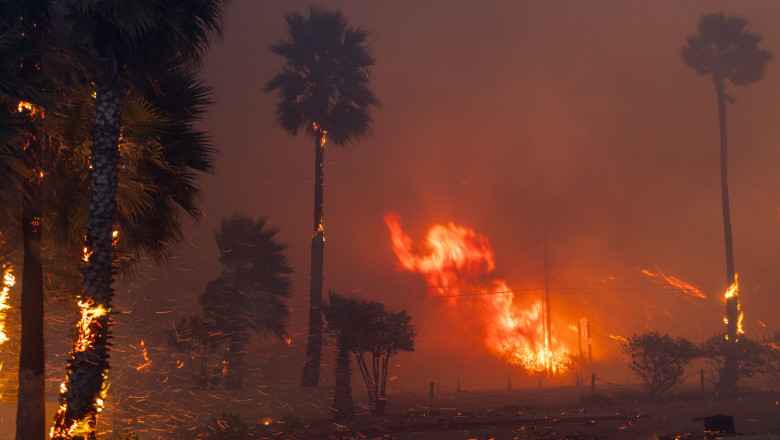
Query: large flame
(452, 259)
(8, 282)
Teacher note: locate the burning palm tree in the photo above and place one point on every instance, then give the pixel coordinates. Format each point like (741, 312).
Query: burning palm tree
(324, 89)
(121, 44)
(726, 50)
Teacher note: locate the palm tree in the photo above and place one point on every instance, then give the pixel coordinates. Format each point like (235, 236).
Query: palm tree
(251, 292)
(350, 322)
(160, 154)
(122, 44)
(323, 88)
(394, 332)
(726, 50)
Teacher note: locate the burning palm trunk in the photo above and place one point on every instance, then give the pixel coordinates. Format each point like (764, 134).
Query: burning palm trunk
(8, 282)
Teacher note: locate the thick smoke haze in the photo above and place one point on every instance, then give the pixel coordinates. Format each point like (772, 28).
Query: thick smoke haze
(497, 116)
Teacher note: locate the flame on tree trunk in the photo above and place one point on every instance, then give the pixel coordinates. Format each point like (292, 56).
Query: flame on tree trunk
(311, 369)
(83, 392)
(8, 282)
(728, 379)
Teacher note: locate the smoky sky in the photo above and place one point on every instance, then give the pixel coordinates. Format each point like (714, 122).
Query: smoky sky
(497, 115)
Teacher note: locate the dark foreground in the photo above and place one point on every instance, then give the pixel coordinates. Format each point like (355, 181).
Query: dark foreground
(601, 416)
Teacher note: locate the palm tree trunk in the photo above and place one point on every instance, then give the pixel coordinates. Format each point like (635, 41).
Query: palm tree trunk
(311, 369)
(31, 397)
(31, 401)
(343, 406)
(89, 358)
(728, 381)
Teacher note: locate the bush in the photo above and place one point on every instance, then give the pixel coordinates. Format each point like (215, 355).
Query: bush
(772, 357)
(659, 359)
(750, 355)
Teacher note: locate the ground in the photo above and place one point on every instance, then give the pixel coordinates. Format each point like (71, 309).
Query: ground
(611, 413)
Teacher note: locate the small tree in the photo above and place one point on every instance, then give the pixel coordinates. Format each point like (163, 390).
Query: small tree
(350, 320)
(391, 333)
(365, 329)
(659, 359)
(748, 354)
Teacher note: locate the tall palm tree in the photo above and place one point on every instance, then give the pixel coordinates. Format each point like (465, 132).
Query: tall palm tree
(726, 50)
(251, 292)
(161, 153)
(123, 44)
(323, 88)
(350, 322)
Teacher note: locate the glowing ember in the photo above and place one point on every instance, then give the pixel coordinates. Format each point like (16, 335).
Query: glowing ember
(452, 258)
(8, 282)
(663, 279)
(32, 108)
(147, 361)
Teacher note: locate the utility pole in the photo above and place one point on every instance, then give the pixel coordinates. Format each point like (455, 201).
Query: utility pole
(546, 281)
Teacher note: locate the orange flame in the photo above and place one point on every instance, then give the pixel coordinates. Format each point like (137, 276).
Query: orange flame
(8, 282)
(663, 279)
(733, 292)
(90, 311)
(31, 108)
(452, 258)
(618, 338)
(147, 361)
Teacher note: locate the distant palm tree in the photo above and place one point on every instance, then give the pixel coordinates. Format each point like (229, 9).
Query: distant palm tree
(323, 88)
(350, 321)
(251, 292)
(725, 49)
(122, 44)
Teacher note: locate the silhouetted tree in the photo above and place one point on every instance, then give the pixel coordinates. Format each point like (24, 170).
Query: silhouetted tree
(747, 353)
(772, 356)
(659, 360)
(192, 335)
(726, 50)
(351, 321)
(392, 333)
(248, 296)
(323, 88)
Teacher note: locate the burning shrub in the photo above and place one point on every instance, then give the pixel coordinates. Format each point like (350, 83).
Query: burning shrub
(749, 354)
(659, 359)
